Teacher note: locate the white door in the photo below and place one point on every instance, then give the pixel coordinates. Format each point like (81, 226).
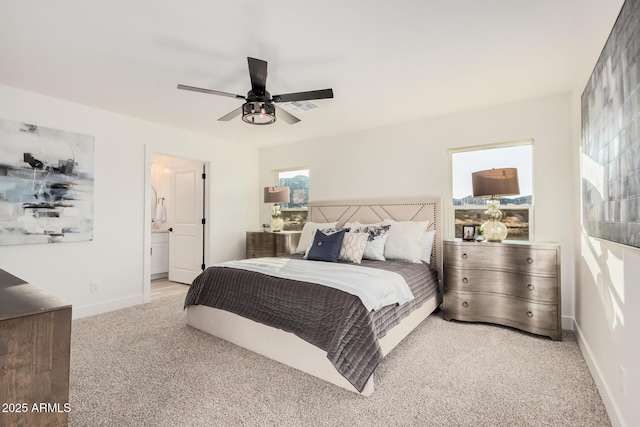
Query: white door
(184, 218)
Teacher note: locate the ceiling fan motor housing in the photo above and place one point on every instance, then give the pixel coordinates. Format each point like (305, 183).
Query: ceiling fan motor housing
(258, 113)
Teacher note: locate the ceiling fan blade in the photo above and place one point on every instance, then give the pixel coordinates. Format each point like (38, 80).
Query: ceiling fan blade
(210, 91)
(304, 96)
(232, 115)
(286, 116)
(258, 74)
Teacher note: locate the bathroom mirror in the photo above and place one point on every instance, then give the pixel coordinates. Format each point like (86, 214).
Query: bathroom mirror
(154, 203)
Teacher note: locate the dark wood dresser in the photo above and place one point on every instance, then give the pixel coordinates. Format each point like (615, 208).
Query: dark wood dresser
(270, 244)
(35, 345)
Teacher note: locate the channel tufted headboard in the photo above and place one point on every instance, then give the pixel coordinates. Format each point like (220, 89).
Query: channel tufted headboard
(374, 210)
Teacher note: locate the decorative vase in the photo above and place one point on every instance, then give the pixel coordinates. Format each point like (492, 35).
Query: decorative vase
(277, 223)
(494, 230)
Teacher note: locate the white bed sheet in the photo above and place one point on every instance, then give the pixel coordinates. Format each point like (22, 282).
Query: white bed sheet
(376, 288)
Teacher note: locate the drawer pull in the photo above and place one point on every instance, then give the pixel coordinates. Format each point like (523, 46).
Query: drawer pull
(465, 280)
(465, 304)
(531, 287)
(529, 314)
(529, 260)
(464, 256)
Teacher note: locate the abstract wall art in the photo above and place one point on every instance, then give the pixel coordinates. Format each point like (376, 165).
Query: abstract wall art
(46, 185)
(611, 135)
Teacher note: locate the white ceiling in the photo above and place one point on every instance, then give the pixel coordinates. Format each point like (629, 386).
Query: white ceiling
(387, 62)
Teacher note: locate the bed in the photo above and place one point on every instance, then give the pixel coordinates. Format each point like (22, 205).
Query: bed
(316, 351)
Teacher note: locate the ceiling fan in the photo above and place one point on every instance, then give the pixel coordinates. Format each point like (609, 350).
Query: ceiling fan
(260, 107)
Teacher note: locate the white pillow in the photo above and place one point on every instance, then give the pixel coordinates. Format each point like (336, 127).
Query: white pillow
(309, 229)
(356, 225)
(427, 246)
(351, 225)
(353, 246)
(405, 240)
(376, 239)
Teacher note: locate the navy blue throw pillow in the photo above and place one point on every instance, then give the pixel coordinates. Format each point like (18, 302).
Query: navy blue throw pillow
(326, 247)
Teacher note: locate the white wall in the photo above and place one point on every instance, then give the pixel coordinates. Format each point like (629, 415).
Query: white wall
(116, 256)
(608, 322)
(412, 160)
(607, 312)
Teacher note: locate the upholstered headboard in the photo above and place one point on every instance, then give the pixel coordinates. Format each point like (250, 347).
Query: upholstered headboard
(374, 210)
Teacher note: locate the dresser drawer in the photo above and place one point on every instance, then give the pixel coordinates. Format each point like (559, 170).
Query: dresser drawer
(538, 288)
(526, 315)
(260, 242)
(502, 257)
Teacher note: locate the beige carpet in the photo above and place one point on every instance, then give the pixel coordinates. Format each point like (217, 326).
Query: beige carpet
(142, 366)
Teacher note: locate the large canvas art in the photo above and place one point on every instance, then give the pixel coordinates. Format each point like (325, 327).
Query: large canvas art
(46, 185)
(611, 135)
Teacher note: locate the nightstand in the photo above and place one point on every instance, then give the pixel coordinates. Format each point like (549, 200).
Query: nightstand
(512, 283)
(271, 244)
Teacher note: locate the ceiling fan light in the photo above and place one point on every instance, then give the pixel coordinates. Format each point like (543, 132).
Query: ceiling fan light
(258, 113)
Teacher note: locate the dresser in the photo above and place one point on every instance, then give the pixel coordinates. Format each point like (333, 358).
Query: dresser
(270, 244)
(35, 345)
(512, 283)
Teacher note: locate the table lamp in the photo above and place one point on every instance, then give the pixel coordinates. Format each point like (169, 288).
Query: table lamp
(276, 195)
(491, 184)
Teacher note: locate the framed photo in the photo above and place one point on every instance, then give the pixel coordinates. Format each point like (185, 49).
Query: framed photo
(468, 232)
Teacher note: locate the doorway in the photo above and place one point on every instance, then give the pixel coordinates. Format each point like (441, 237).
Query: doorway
(176, 219)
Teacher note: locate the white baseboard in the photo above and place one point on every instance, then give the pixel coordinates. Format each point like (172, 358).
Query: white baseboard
(79, 312)
(159, 276)
(567, 323)
(605, 392)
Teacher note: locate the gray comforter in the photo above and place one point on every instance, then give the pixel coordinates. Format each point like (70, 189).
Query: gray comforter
(328, 318)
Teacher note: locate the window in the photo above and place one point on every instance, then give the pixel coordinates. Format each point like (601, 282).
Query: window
(294, 213)
(517, 210)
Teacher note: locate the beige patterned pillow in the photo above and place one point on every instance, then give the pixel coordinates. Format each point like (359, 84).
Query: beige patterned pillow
(353, 246)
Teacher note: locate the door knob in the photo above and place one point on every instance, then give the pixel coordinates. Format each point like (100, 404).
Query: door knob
(170, 229)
